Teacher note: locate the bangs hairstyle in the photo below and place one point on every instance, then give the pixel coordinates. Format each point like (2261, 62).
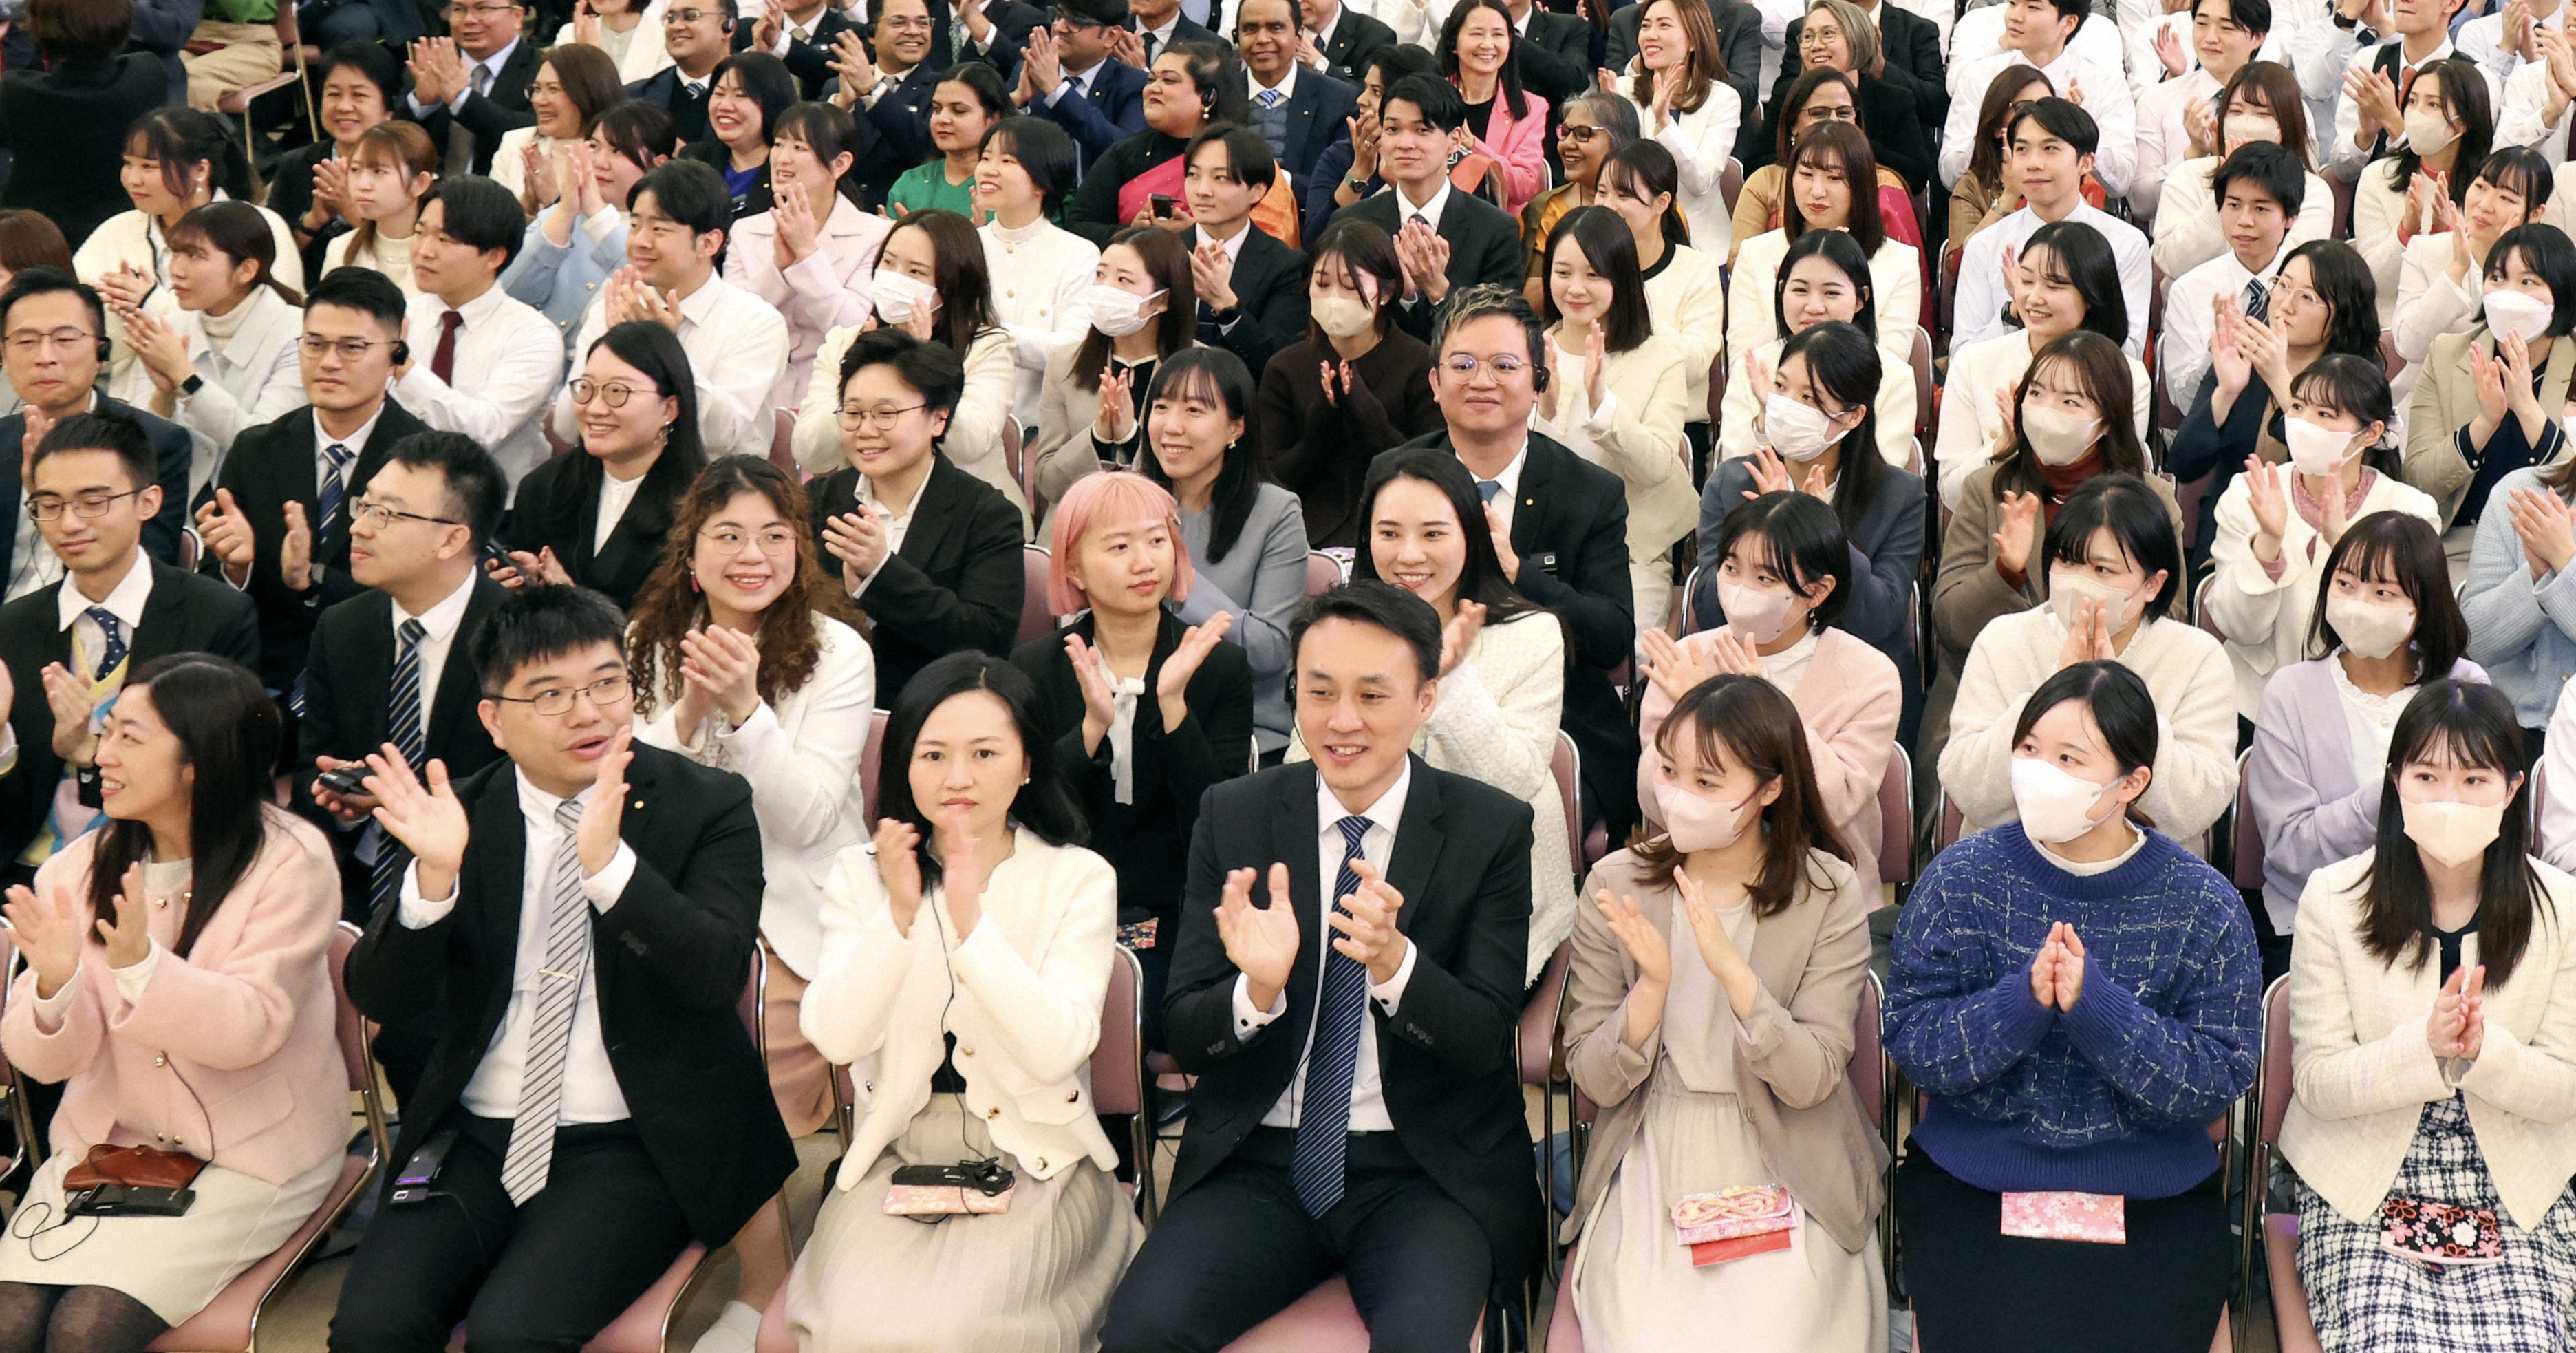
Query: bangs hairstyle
(1845, 367)
(2269, 88)
(1044, 805)
(1986, 160)
(400, 146)
(2123, 712)
(1703, 57)
(1247, 157)
(2357, 386)
(2123, 505)
(668, 606)
(2268, 169)
(2463, 87)
(1507, 83)
(1111, 498)
(1838, 248)
(958, 273)
(30, 239)
(1838, 149)
(369, 61)
(1793, 106)
(2463, 724)
(829, 133)
(589, 79)
(2343, 280)
(928, 369)
(1612, 113)
(1360, 248)
(2102, 370)
(2524, 172)
(2064, 119)
(1220, 379)
(1482, 579)
(1644, 170)
(2074, 254)
(2545, 250)
(2395, 548)
(763, 79)
(642, 132)
(655, 352)
(239, 232)
(229, 733)
(181, 139)
(1043, 152)
(1797, 539)
(1610, 250)
(1748, 721)
(1168, 263)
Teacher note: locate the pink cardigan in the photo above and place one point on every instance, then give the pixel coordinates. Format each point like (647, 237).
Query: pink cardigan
(827, 291)
(1519, 146)
(245, 1026)
(1849, 701)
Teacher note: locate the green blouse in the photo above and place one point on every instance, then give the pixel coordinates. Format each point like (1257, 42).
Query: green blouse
(926, 186)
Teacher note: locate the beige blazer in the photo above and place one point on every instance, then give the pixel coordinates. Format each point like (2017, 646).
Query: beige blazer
(1790, 1065)
(1061, 452)
(2446, 400)
(1636, 434)
(2361, 1071)
(1967, 592)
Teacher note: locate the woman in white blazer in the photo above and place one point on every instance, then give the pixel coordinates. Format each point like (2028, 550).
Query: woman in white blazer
(1615, 389)
(573, 85)
(2433, 1047)
(810, 255)
(745, 660)
(234, 334)
(1828, 159)
(966, 952)
(1026, 171)
(1678, 81)
(1822, 279)
(631, 38)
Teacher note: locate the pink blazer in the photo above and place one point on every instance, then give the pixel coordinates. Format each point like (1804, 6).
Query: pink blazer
(232, 1053)
(1520, 146)
(828, 291)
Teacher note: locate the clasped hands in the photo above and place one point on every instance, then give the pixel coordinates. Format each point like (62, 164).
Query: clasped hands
(2057, 970)
(1262, 941)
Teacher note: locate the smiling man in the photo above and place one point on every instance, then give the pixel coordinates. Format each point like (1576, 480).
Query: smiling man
(470, 89)
(2260, 189)
(698, 34)
(1297, 111)
(1251, 288)
(2051, 150)
(488, 362)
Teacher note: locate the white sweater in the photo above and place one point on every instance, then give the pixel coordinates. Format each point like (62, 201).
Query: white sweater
(1038, 274)
(2266, 619)
(1687, 299)
(1895, 283)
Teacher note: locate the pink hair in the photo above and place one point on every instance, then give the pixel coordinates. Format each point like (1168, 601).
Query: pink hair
(1110, 496)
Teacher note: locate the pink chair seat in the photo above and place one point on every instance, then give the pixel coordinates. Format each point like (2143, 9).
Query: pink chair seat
(231, 1319)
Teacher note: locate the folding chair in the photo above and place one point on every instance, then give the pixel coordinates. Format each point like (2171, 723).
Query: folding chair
(1036, 621)
(2278, 1232)
(2245, 870)
(1565, 765)
(782, 449)
(1896, 822)
(1730, 182)
(290, 45)
(230, 1323)
(2200, 610)
(1688, 611)
(1925, 392)
(871, 757)
(1118, 1070)
(1716, 390)
(22, 1118)
(1543, 1065)
(1323, 573)
(2188, 497)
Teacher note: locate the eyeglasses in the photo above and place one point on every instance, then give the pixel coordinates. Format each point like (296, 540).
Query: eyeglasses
(1818, 37)
(1577, 134)
(1464, 368)
(614, 394)
(28, 341)
(902, 22)
(487, 13)
(1828, 112)
(777, 542)
(350, 349)
(377, 516)
(87, 505)
(556, 701)
(672, 16)
(854, 418)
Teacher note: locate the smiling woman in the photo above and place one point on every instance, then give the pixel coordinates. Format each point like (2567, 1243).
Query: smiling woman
(600, 518)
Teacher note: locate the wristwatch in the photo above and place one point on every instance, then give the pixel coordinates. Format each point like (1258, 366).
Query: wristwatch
(193, 384)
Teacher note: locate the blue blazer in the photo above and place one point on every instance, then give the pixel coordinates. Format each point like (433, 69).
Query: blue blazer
(1113, 111)
(1318, 115)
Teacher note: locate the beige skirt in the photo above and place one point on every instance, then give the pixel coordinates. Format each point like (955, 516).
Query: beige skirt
(175, 1265)
(1035, 1279)
(799, 1079)
(1635, 1289)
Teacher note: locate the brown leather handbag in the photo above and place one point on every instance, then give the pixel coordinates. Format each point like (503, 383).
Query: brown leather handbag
(140, 1167)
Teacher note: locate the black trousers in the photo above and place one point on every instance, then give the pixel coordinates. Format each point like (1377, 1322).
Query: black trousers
(1239, 1248)
(546, 1276)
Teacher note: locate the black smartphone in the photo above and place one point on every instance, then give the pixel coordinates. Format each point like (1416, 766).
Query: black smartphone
(1164, 206)
(345, 780)
(421, 1171)
(129, 1200)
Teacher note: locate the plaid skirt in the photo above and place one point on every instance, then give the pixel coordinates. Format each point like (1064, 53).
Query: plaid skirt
(2365, 1298)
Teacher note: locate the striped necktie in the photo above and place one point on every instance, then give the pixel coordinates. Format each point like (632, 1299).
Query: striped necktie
(333, 492)
(403, 723)
(1322, 1147)
(541, 1078)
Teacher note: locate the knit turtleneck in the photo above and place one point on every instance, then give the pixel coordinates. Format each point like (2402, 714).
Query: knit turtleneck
(1037, 226)
(219, 329)
(2065, 479)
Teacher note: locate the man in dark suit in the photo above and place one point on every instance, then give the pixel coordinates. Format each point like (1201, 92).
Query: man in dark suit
(994, 32)
(1338, 41)
(1447, 240)
(470, 89)
(1251, 288)
(53, 346)
(1909, 57)
(1069, 77)
(895, 89)
(698, 34)
(1155, 25)
(1357, 1108)
(277, 526)
(1555, 51)
(584, 914)
(1561, 523)
(1297, 111)
(69, 647)
(806, 39)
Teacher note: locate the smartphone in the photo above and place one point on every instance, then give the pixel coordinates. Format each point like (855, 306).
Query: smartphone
(345, 780)
(421, 1171)
(1164, 207)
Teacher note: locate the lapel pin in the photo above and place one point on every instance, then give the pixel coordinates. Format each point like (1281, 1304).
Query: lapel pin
(639, 803)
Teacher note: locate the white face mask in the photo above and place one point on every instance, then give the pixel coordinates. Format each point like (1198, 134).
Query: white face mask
(900, 297)
(1799, 432)
(2246, 128)
(2055, 807)
(1697, 822)
(2370, 631)
(2056, 436)
(2068, 589)
(2315, 450)
(1115, 312)
(1339, 316)
(1753, 614)
(2453, 833)
(2428, 132)
(2513, 312)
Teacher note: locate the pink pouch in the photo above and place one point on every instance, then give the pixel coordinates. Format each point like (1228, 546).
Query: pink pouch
(2099, 1218)
(2440, 1234)
(942, 1200)
(1744, 1210)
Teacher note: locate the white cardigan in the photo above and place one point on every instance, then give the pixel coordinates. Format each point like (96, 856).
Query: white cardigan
(1022, 994)
(1636, 434)
(258, 379)
(827, 291)
(974, 438)
(1687, 301)
(1895, 283)
(1894, 408)
(1701, 142)
(2266, 620)
(802, 759)
(2378, 205)
(2362, 1072)
(1966, 437)
(1038, 276)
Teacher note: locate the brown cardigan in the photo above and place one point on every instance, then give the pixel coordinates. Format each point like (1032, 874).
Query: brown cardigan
(1321, 452)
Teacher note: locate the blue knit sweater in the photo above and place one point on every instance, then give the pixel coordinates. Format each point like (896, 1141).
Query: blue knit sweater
(2113, 1096)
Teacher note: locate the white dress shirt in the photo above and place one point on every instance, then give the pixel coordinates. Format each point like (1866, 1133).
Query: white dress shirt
(1252, 88)
(2482, 40)
(2164, 134)
(2523, 120)
(1981, 296)
(1510, 479)
(2095, 63)
(590, 1093)
(737, 344)
(509, 359)
(125, 601)
(1377, 846)
(2189, 323)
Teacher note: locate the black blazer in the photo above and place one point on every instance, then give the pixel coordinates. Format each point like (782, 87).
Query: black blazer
(901, 117)
(1912, 46)
(1269, 294)
(1012, 21)
(1185, 31)
(716, 155)
(65, 128)
(1356, 38)
(664, 89)
(1570, 530)
(558, 508)
(270, 466)
(670, 959)
(1484, 246)
(1147, 841)
(171, 451)
(1445, 1058)
(348, 679)
(186, 614)
(164, 28)
(490, 115)
(810, 61)
(1319, 113)
(1113, 111)
(955, 585)
(1556, 55)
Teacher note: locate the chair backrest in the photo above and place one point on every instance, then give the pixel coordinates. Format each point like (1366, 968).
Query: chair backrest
(1951, 822)
(2539, 795)
(357, 1058)
(1036, 621)
(1565, 766)
(871, 757)
(2187, 500)
(2200, 609)
(755, 995)
(782, 439)
(1924, 392)
(1118, 1059)
(1896, 819)
(1730, 182)
(2389, 361)
(1687, 612)
(1538, 1018)
(1323, 573)
(2246, 870)
(1716, 387)
(1011, 453)
(2275, 1079)
(1868, 1067)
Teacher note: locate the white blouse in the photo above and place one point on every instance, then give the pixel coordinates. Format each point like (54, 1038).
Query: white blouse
(2369, 721)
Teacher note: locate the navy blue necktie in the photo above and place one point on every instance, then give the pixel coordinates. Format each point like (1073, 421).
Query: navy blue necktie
(112, 633)
(403, 722)
(1332, 1061)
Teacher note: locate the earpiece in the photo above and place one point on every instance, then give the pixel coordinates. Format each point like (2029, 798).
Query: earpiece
(402, 352)
(1538, 377)
(105, 347)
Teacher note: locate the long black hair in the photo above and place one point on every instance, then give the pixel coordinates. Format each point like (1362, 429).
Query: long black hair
(2472, 724)
(229, 733)
(2463, 89)
(1649, 171)
(179, 138)
(2405, 550)
(1220, 377)
(2341, 277)
(1801, 543)
(1838, 248)
(1844, 365)
(2103, 370)
(1045, 804)
(1507, 82)
(2084, 261)
(1482, 580)
(1609, 249)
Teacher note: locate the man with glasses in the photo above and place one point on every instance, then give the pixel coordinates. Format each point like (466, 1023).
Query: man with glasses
(804, 33)
(277, 526)
(1071, 78)
(580, 921)
(52, 347)
(698, 34)
(67, 648)
(1560, 523)
(470, 88)
(887, 80)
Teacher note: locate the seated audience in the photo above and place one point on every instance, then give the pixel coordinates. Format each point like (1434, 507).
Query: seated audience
(2077, 997)
(55, 331)
(2073, 48)
(129, 983)
(1348, 171)
(1823, 279)
(1251, 289)
(390, 172)
(1820, 95)
(1142, 304)
(2453, 127)
(1477, 48)
(1589, 127)
(966, 103)
(2262, 104)
(226, 361)
(2436, 289)
(2052, 149)
(64, 118)
(574, 83)
(1709, 1011)
(2490, 401)
(1891, 112)
(1188, 85)
(1685, 289)
(811, 254)
(29, 240)
(1026, 171)
(883, 71)
(750, 91)
(629, 32)
(175, 161)
(1822, 169)
(573, 247)
(492, 361)
(2181, 98)
(358, 86)
(601, 518)
(1073, 80)
(1419, 122)
(2259, 192)
(470, 94)
(1984, 193)
(1685, 104)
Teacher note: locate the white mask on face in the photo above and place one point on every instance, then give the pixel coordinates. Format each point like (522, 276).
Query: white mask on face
(1113, 311)
(2068, 588)
(2246, 128)
(2513, 312)
(1799, 432)
(2315, 450)
(2453, 833)
(2370, 631)
(2055, 807)
(2056, 436)
(2428, 132)
(899, 297)
(1752, 614)
(1340, 316)
(1697, 822)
